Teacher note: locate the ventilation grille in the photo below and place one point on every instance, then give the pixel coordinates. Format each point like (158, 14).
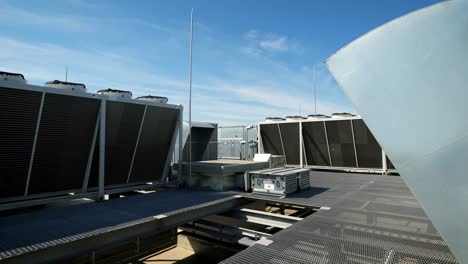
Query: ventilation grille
(63, 144)
(271, 139)
(154, 143)
(340, 139)
(290, 136)
(18, 117)
(122, 126)
(315, 143)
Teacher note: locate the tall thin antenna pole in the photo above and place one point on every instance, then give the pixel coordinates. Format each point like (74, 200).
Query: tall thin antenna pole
(315, 91)
(190, 103)
(66, 74)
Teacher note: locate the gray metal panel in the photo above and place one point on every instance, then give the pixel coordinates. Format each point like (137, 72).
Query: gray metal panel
(63, 143)
(18, 117)
(408, 81)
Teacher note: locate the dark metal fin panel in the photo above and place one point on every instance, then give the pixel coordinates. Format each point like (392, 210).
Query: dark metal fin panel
(122, 126)
(290, 136)
(18, 117)
(154, 143)
(271, 139)
(63, 143)
(390, 164)
(340, 139)
(369, 152)
(315, 143)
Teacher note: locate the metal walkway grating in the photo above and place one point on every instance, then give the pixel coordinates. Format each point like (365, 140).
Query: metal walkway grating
(373, 219)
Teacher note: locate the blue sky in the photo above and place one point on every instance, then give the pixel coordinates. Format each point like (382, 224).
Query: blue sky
(251, 59)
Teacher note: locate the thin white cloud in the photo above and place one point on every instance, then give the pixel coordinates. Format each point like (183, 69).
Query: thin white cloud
(275, 44)
(259, 43)
(10, 15)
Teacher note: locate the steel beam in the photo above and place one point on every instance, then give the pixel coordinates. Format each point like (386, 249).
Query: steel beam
(328, 144)
(136, 144)
(33, 150)
(354, 143)
(265, 218)
(102, 149)
(91, 154)
(282, 144)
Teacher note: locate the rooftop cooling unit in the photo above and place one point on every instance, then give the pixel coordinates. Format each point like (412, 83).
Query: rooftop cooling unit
(11, 77)
(319, 116)
(75, 87)
(274, 119)
(344, 114)
(292, 118)
(113, 93)
(152, 98)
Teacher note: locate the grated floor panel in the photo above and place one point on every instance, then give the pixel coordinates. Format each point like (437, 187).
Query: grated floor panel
(373, 219)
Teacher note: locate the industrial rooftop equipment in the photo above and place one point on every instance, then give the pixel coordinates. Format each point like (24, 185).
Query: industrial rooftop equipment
(342, 142)
(279, 181)
(58, 139)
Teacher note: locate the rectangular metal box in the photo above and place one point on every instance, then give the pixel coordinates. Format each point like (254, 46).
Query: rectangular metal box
(279, 181)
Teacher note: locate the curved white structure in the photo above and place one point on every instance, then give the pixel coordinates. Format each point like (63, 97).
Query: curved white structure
(409, 81)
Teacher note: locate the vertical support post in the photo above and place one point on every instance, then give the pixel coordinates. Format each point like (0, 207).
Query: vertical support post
(190, 103)
(301, 149)
(328, 144)
(282, 144)
(102, 149)
(384, 163)
(181, 140)
(354, 143)
(33, 149)
(91, 153)
(136, 144)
